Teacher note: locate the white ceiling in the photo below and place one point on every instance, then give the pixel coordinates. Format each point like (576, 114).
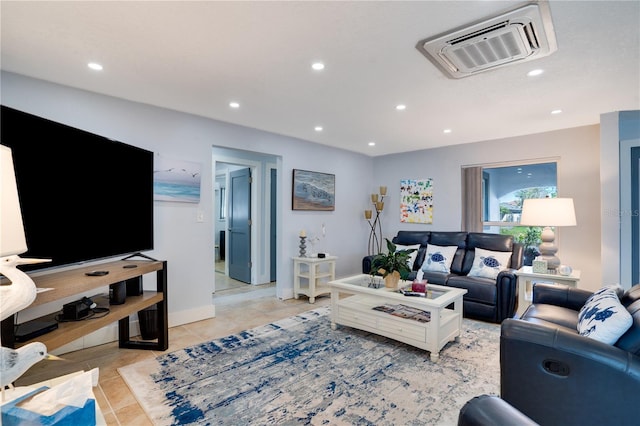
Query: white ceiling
(196, 57)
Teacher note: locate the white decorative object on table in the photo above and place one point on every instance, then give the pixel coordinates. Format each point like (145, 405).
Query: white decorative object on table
(15, 362)
(22, 291)
(564, 270)
(539, 266)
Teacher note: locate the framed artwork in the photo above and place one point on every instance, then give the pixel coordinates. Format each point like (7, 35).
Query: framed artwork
(313, 191)
(416, 200)
(176, 180)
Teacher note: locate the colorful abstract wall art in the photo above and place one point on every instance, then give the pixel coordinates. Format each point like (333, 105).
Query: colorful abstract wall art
(416, 200)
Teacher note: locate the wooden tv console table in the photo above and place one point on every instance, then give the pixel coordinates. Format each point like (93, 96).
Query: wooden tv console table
(68, 283)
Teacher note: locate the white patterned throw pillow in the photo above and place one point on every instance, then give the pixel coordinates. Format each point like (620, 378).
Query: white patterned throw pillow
(412, 256)
(438, 258)
(603, 317)
(488, 264)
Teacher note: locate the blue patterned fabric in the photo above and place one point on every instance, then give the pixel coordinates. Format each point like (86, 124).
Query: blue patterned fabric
(299, 371)
(439, 258)
(603, 317)
(488, 264)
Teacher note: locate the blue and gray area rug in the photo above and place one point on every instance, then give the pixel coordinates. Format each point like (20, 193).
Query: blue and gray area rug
(300, 371)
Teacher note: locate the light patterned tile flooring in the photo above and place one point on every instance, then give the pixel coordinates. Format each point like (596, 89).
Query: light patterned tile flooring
(117, 403)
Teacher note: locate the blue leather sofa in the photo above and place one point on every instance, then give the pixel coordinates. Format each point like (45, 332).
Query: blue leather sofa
(486, 299)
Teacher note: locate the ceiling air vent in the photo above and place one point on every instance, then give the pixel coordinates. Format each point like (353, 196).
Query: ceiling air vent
(517, 36)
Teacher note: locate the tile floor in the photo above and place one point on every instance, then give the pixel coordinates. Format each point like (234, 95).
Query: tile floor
(233, 314)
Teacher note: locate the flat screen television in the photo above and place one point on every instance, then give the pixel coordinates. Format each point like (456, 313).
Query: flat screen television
(83, 197)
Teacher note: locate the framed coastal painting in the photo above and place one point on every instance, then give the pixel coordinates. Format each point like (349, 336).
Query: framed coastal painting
(313, 191)
(416, 200)
(176, 180)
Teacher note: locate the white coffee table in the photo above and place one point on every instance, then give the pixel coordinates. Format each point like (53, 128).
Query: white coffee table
(353, 300)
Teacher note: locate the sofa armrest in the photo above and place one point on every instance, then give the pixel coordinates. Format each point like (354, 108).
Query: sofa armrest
(577, 379)
(560, 295)
(366, 264)
(507, 293)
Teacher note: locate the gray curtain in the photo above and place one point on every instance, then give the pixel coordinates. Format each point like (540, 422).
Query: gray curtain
(472, 199)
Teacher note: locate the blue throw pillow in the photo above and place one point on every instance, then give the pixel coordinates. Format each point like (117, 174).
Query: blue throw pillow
(603, 317)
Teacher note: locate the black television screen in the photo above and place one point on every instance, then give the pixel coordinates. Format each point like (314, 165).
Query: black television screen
(83, 196)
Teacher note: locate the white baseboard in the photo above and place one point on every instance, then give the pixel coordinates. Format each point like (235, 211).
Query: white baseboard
(192, 315)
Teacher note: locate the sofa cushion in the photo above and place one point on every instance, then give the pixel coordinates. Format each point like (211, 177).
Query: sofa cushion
(407, 238)
(438, 258)
(478, 289)
(488, 264)
(493, 242)
(439, 278)
(552, 314)
(603, 317)
(412, 256)
(452, 239)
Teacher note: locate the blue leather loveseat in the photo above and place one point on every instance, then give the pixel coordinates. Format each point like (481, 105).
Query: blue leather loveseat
(486, 299)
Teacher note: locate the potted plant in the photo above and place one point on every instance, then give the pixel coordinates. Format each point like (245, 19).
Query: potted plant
(530, 240)
(393, 265)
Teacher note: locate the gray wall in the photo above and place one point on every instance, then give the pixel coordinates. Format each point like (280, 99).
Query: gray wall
(186, 244)
(617, 129)
(577, 152)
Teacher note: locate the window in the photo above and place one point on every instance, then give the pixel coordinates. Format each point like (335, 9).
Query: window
(223, 204)
(504, 188)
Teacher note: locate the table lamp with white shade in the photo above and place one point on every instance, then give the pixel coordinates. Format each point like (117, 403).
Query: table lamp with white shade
(22, 291)
(548, 212)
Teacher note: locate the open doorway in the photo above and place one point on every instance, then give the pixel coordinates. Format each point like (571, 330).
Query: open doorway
(244, 222)
(629, 212)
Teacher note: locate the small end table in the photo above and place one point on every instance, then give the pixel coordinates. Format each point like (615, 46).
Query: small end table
(526, 278)
(316, 272)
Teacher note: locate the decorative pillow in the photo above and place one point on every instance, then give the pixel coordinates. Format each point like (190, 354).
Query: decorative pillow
(438, 258)
(603, 317)
(412, 256)
(488, 264)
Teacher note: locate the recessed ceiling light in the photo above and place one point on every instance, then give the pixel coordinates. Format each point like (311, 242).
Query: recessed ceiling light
(556, 111)
(447, 130)
(234, 104)
(401, 107)
(95, 66)
(372, 144)
(318, 128)
(534, 73)
(318, 66)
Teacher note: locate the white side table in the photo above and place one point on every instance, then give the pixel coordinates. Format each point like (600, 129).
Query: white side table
(310, 274)
(526, 278)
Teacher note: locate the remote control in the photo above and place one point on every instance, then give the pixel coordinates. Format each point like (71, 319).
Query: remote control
(96, 273)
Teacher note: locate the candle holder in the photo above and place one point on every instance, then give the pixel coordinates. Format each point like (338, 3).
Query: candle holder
(303, 247)
(375, 235)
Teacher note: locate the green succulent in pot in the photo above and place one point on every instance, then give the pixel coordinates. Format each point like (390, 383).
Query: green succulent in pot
(392, 261)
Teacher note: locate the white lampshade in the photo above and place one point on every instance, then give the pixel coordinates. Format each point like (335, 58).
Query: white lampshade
(12, 239)
(548, 212)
